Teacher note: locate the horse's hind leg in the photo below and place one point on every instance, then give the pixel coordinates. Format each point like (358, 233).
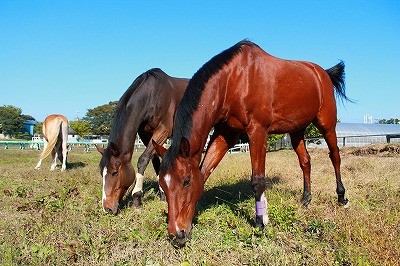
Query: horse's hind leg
(54, 159)
(298, 144)
(329, 134)
(64, 147)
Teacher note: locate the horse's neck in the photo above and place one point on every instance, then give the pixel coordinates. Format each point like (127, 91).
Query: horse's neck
(127, 134)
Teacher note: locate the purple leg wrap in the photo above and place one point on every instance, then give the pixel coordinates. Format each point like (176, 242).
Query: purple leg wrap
(261, 208)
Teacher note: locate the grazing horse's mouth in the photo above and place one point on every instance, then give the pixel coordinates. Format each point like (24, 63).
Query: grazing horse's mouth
(179, 240)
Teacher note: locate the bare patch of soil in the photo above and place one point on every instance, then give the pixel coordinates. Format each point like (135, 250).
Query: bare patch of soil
(379, 149)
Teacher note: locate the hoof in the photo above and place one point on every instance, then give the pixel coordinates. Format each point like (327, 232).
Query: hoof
(345, 203)
(306, 199)
(137, 199)
(162, 196)
(259, 222)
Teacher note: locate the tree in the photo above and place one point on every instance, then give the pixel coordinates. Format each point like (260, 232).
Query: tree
(389, 121)
(38, 128)
(11, 120)
(312, 132)
(100, 118)
(81, 127)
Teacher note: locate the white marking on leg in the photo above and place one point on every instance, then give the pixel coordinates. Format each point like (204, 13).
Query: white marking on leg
(139, 183)
(38, 164)
(167, 179)
(262, 209)
(104, 186)
(54, 164)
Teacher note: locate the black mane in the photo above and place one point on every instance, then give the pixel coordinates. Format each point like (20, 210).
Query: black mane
(190, 101)
(119, 118)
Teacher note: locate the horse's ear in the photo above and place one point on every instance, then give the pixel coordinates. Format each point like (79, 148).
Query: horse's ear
(100, 149)
(160, 150)
(114, 149)
(185, 148)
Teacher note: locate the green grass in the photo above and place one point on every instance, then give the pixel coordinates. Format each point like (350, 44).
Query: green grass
(56, 217)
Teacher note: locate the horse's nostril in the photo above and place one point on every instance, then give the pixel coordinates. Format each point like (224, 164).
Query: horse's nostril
(181, 235)
(108, 210)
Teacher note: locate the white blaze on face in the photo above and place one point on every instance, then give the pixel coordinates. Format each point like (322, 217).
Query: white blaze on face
(104, 185)
(167, 179)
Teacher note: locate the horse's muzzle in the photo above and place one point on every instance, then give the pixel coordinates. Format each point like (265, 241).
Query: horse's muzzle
(109, 211)
(180, 239)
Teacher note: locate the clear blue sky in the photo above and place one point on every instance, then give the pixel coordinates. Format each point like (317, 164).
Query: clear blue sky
(70, 56)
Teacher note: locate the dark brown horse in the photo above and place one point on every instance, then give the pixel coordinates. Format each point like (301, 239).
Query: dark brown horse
(148, 108)
(244, 89)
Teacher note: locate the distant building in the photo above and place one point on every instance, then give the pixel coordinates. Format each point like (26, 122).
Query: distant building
(359, 134)
(29, 126)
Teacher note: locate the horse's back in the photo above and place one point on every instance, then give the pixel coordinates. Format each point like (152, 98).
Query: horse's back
(284, 95)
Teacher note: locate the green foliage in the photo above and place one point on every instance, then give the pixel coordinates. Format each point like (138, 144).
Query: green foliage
(272, 138)
(11, 120)
(100, 118)
(37, 129)
(81, 127)
(284, 216)
(312, 132)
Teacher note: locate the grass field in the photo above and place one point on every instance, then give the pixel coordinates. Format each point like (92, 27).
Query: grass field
(56, 217)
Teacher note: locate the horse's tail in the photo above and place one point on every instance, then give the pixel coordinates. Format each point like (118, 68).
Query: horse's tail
(52, 131)
(337, 76)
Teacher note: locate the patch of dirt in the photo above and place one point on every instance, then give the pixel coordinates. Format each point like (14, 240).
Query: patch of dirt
(378, 149)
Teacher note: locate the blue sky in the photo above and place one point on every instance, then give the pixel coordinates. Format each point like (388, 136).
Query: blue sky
(70, 56)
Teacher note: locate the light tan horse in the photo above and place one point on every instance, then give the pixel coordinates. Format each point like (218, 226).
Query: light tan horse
(55, 131)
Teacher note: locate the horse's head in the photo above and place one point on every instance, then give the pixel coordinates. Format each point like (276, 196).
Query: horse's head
(183, 184)
(118, 174)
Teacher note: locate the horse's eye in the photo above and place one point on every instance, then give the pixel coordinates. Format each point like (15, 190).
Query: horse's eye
(115, 173)
(186, 182)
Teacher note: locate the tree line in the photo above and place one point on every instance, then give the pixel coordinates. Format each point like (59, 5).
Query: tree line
(97, 121)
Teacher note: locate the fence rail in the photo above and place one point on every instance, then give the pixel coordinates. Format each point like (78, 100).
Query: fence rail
(283, 143)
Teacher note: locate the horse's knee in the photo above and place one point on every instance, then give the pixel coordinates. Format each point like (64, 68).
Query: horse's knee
(305, 162)
(143, 161)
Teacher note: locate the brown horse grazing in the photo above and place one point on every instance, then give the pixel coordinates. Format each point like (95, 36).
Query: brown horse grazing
(148, 108)
(55, 132)
(244, 89)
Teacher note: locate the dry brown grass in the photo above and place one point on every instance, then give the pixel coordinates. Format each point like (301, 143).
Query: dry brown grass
(55, 218)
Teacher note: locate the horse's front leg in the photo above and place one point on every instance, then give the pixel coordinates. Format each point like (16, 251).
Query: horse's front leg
(258, 148)
(159, 136)
(219, 145)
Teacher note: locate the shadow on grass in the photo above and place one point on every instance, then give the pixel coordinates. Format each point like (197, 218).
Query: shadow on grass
(75, 165)
(232, 195)
(147, 186)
